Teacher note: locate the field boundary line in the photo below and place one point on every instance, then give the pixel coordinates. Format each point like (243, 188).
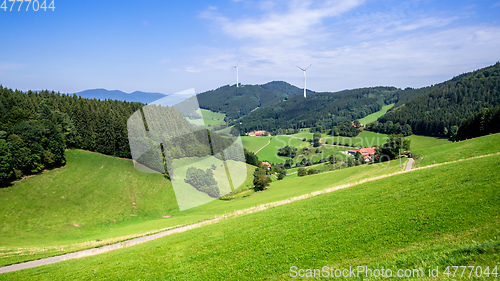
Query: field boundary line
(264, 145)
(262, 207)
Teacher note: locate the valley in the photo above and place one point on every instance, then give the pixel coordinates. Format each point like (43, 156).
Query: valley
(324, 202)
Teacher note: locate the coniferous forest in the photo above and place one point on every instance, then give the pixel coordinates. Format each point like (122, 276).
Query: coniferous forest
(36, 128)
(440, 109)
(322, 111)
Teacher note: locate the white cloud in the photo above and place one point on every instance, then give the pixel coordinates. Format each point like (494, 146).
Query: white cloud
(298, 20)
(350, 46)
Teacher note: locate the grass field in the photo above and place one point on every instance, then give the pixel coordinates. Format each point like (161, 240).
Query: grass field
(94, 197)
(373, 117)
(429, 152)
(413, 220)
(25, 237)
(45, 226)
(421, 143)
(364, 139)
(254, 143)
(210, 118)
(269, 152)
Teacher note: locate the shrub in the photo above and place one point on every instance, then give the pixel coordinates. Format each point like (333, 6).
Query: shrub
(301, 172)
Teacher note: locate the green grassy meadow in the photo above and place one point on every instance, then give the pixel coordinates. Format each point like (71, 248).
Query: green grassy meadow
(254, 143)
(96, 199)
(429, 154)
(411, 220)
(374, 116)
(56, 225)
(210, 118)
(268, 153)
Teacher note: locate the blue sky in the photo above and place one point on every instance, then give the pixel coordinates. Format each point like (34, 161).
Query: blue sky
(169, 46)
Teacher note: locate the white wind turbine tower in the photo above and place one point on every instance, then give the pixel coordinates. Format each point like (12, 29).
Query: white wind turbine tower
(304, 69)
(236, 66)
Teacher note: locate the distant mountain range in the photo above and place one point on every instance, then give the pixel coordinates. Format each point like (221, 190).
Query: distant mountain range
(137, 96)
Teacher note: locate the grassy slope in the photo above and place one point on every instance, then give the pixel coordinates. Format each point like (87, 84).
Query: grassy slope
(94, 197)
(373, 117)
(431, 152)
(210, 118)
(49, 222)
(289, 187)
(254, 143)
(92, 191)
(411, 220)
(420, 143)
(213, 118)
(269, 152)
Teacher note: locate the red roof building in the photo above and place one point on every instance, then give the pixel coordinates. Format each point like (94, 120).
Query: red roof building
(267, 164)
(367, 151)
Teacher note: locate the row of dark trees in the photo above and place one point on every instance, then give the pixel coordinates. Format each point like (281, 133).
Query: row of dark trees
(36, 127)
(389, 128)
(483, 123)
(344, 129)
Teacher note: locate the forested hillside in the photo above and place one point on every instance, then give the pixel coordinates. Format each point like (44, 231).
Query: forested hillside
(236, 102)
(322, 110)
(35, 128)
(480, 124)
(440, 109)
(284, 87)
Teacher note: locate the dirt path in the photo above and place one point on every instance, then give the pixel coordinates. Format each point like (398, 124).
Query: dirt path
(140, 240)
(263, 146)
(409, 164)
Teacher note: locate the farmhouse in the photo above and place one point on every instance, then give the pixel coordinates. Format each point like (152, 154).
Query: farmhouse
(258, 134)
(368, 153)
(267, 164)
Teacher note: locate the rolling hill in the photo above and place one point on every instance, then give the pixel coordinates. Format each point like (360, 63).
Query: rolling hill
(236, 102)
(137, 96)
(413, 220)
(319, 110)
(439, 110)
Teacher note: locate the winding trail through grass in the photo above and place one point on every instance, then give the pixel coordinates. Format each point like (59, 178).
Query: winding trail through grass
(264, 146)
(140, 240)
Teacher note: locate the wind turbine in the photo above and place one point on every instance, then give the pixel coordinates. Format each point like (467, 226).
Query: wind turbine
(304, 69)
(236, 66)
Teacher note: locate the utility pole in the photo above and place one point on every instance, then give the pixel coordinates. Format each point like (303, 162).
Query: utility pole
(400, 167)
